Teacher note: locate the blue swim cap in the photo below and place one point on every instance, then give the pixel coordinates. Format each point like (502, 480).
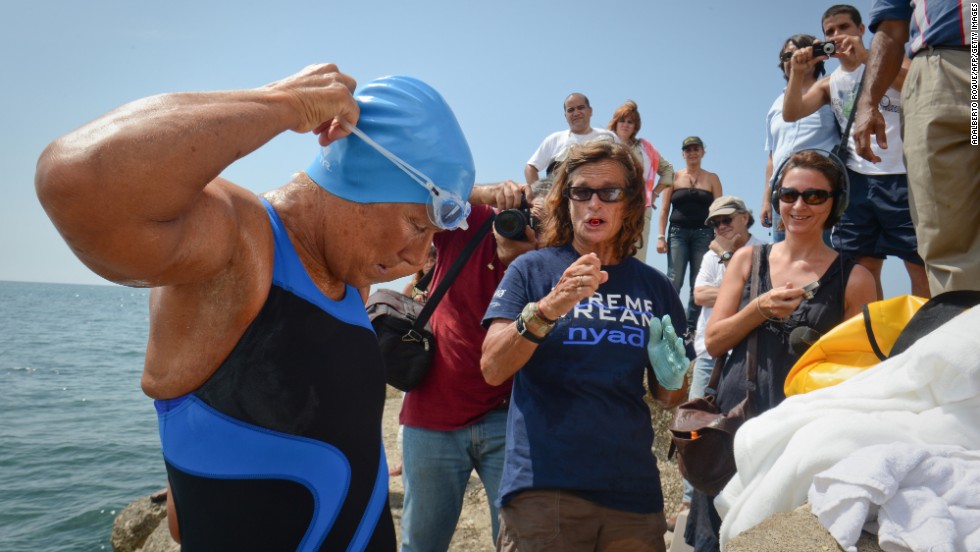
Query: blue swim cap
(411, 120)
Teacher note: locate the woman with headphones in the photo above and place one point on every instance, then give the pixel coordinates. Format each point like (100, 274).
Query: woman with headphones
(811, 194)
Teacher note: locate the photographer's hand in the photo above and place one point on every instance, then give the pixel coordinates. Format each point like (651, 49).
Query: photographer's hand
(508, 250)
(796, 103)
(505, 195)
(851, 48)
(803, 61)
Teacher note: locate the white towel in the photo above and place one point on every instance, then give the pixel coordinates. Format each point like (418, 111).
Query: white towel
(928, 395)
(929, 497)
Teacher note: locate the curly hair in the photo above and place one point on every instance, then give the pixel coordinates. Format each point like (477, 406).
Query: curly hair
(557, 227)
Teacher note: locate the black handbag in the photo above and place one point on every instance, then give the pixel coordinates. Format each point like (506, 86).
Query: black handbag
(406, 346)
(703, 436)
(402, 324)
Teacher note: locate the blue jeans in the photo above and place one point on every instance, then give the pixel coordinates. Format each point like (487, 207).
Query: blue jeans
(687, 246)
(703, 365)
(436, 466)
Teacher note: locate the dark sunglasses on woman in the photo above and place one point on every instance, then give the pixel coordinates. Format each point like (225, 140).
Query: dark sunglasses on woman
(810, 196)
(606, 195)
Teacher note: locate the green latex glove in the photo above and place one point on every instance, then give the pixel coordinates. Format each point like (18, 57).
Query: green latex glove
(667, 354)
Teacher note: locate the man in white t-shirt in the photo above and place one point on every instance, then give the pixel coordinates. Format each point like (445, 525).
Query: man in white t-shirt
(877, 222)
(578, 113)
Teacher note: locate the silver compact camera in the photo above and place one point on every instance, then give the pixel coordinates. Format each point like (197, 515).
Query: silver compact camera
(824, 49)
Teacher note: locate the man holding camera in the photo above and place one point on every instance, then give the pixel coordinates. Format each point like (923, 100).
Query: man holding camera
(454, 422)
(578, 113)
(877, 221)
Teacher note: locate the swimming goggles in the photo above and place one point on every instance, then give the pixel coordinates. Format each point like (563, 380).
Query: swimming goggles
(446, 209)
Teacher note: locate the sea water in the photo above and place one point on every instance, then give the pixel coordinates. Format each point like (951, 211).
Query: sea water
(78, 438)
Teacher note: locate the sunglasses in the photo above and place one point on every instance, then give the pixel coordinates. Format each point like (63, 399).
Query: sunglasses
(606, 195)
(810, 196)
(785, 56)
(716, 222)
(446, 209)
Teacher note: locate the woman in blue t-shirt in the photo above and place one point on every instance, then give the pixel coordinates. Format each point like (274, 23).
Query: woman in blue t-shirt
(578, 323)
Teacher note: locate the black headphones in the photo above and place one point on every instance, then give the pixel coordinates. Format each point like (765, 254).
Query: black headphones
(841, 194)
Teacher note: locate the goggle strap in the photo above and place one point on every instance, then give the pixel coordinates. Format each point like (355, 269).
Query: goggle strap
(411, 171)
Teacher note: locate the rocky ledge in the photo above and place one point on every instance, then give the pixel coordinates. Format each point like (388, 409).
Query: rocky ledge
(142, 527)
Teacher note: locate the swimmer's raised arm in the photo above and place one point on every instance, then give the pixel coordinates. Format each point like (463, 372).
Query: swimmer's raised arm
(136, 192)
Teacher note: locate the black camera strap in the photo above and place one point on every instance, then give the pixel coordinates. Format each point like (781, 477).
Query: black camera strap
(443, 287)
(423, 282)
(841, 150)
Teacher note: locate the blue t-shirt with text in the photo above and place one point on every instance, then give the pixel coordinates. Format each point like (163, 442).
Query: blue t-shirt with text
(577, 420)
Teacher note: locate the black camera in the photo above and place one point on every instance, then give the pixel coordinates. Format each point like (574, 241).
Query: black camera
(824, 49)
(510, 223)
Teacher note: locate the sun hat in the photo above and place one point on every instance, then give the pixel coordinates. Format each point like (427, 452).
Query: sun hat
(725, 205)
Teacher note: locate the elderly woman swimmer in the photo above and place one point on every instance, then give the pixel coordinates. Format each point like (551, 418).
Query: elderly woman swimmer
(578, 323)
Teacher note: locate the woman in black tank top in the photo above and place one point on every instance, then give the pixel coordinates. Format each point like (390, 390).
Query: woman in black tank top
(686, 206)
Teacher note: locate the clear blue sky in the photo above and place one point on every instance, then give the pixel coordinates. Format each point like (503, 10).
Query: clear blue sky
(694, 67)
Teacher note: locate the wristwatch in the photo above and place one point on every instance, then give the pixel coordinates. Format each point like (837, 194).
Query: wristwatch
(725, 257)
(524, 332)
(531, 325)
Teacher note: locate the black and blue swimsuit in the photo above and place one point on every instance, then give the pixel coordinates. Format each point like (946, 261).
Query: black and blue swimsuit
(281, 448)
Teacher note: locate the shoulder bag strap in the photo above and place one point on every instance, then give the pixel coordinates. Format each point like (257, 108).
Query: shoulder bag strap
(443, 287)
(423, 282)
(712, 388)
(752, 367)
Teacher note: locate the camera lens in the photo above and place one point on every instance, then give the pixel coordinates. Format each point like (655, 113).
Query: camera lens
(510, 224)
